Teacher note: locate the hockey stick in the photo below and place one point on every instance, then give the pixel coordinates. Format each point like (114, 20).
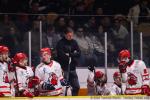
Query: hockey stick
(17, 87)
(121, 86)
(67, 77)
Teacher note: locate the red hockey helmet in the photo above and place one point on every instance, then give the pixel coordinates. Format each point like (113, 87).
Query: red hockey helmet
(1, 49)
(116, 74)
(18, 57)
(4, 49)
(124, 55)
(99, 74)
(48, 50)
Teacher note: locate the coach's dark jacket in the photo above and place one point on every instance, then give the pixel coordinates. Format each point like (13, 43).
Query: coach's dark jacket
(65, 46)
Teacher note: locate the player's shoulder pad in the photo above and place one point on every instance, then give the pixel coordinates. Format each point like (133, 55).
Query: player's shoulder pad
(56, 63)
(139, 62)
(40, 65)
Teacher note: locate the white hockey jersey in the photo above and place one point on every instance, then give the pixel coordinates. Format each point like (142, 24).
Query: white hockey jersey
(90, 84)
(137, 71)
(94, 89)
(23, 76)
(5, 80)
(45, 74)
(115, 90)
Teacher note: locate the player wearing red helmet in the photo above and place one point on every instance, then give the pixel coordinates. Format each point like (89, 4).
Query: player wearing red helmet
(134, 74)
(5, 74)
(25, 81)
(116, 87)
(50, 74)
(96, 83)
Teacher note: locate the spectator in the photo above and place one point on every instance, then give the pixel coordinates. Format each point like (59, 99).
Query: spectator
(144, 12)
(71, 24)
(134, 12)
(35, 42)
(52, 36)
(10, 39)
(60, 24)
(67, 47)
(91, 25)
(120, 33)
(85, 45)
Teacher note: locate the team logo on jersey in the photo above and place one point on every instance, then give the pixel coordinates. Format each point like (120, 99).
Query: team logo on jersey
(132, 79)
(5, 77)
(53, 78)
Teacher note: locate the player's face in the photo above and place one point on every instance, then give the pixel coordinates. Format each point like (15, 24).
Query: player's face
(46, 57)
(69, 36)
(123, 60)
(118, 80)
(23, 62)
(1, 58)
(5, 56)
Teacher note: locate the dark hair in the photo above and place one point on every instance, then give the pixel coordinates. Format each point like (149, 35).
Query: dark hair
(68, 29)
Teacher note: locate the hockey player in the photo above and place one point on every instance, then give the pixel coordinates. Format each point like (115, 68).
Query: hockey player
(96, 83)
(116, 87)
(50, 74)
(134, 74)
(25, 81)
(5, 77)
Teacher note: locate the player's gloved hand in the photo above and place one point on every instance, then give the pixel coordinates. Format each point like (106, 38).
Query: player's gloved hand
(1, 95)
(64, 82)
(47, 86)
(26, 93)
(145, 90)
(33, 81)
(122, 67)
(91, 68)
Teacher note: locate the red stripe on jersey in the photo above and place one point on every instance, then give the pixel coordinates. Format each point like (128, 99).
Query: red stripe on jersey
(133, 93)
(133, 88)
(146, 79)
(4, 86)
(145, 71)
(146, 74)
(6, 92)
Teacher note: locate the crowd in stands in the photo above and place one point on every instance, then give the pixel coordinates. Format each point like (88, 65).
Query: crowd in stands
(56, 15)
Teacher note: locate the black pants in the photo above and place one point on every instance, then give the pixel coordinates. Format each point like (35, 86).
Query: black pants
(74, 82)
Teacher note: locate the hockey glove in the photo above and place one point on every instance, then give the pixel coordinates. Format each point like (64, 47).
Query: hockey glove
(26, 93)
(145, 90)
(91, 68)
(33, 81)
(47, 86)
(122, 67)
(64, 82)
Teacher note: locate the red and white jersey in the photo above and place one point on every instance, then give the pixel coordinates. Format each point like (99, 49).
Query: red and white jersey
(90, 84)
(135, 76)
(5, 80)
(46, 73)
(115, 90)
(102, 90)
(23, 75)
(94, 89)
